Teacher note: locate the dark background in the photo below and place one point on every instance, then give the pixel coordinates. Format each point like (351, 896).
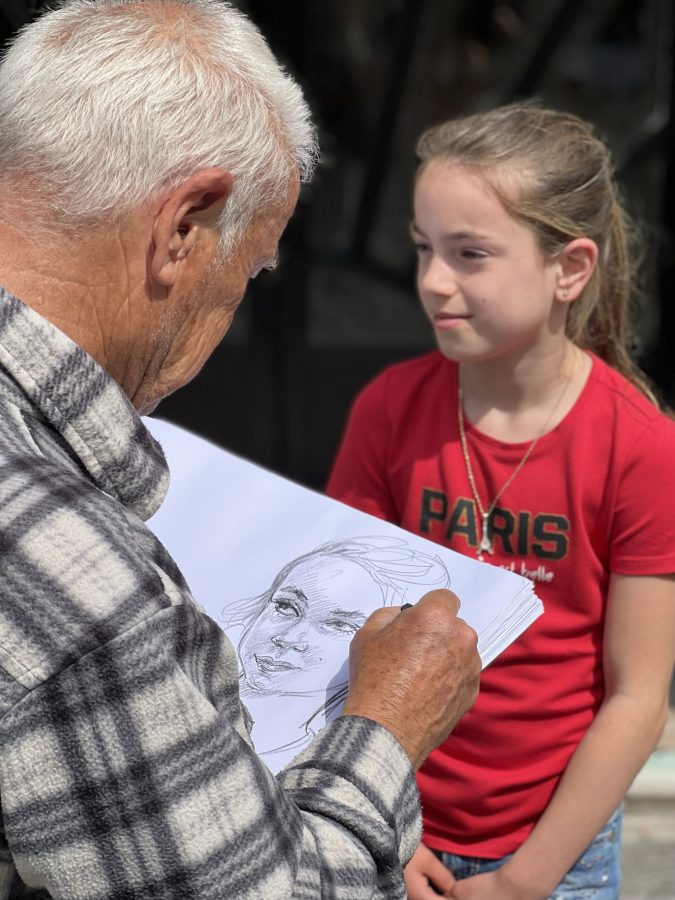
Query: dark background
(377, 72)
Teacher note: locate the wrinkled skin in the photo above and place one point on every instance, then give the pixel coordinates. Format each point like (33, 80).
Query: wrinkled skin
(415, 672)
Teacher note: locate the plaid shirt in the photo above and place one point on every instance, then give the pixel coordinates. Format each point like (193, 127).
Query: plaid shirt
(126, 768)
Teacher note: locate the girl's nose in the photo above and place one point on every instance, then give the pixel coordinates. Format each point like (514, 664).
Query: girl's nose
(437, 277)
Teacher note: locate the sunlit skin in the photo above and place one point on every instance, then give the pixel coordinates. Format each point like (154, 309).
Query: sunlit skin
(148, 297)
(497, 304)
(483, 282)
(207, 296)
(299, 639)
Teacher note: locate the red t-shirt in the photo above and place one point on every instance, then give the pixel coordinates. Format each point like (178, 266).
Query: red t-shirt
(596, 496)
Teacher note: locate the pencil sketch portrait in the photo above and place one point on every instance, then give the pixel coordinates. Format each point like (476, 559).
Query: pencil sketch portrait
(294, 636)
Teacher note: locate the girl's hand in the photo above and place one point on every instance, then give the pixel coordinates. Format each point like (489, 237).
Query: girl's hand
(426, 878)
(491, 886)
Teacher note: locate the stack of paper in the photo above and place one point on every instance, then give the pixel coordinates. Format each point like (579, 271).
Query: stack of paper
(290, 575)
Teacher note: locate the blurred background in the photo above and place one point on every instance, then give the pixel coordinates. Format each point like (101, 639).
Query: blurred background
(342, 304)
(377, 72)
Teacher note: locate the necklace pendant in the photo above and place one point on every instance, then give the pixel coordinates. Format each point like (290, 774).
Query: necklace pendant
(485, 545)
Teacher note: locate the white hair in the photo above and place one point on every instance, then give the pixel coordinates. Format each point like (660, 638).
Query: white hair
(111, 102)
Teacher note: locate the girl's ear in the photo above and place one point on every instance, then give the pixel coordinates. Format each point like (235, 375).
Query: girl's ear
(577, 262)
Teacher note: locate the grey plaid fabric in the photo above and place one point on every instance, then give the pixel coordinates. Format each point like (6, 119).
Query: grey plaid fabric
(126, 768)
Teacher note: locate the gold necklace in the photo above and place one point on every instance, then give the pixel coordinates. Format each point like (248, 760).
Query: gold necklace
(485, 544)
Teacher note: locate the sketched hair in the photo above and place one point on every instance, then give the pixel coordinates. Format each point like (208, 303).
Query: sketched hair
(109, 103)
(393, 565)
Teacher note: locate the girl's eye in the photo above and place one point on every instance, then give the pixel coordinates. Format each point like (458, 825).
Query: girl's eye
(422, 248)
(473, 254)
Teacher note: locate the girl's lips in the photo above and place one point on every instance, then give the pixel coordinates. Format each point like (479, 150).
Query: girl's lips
(446, 321)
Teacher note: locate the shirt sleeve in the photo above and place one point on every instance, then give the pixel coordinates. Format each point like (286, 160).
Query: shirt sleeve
(643, 531)
(128, 775)
(359, 476)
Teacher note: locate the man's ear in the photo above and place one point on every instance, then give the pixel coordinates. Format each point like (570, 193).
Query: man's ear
(577, 263)
(195, 204)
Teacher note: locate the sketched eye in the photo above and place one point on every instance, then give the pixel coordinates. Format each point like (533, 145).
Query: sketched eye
(285, 606)
(344, 626)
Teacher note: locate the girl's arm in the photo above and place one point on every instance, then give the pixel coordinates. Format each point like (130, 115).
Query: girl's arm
(639, 642)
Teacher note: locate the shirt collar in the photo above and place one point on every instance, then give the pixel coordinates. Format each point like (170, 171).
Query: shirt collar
(88, 408)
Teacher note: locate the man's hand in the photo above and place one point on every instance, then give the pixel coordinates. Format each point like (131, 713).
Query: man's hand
(416, 672)
(426, 878)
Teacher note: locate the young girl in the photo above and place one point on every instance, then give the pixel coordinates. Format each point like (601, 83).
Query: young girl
(532, 441)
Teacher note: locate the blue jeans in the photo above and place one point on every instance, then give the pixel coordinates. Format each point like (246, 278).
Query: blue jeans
(596, 875)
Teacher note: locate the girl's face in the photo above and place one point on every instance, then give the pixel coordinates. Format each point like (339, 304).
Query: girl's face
(482, 278)
(299, 639)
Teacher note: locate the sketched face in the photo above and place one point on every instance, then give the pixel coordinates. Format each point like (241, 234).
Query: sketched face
(305, 625)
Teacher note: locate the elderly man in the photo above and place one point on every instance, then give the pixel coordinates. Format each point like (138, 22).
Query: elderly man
(150, 156)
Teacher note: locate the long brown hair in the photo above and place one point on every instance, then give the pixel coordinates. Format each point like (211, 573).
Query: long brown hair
(565, 189)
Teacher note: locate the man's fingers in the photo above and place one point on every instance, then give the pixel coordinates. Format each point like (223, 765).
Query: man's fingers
(440, 597)
(444, 599)
(380, 618)
(415, 671)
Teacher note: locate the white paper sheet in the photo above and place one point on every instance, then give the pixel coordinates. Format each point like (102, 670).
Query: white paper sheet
(290, 575)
